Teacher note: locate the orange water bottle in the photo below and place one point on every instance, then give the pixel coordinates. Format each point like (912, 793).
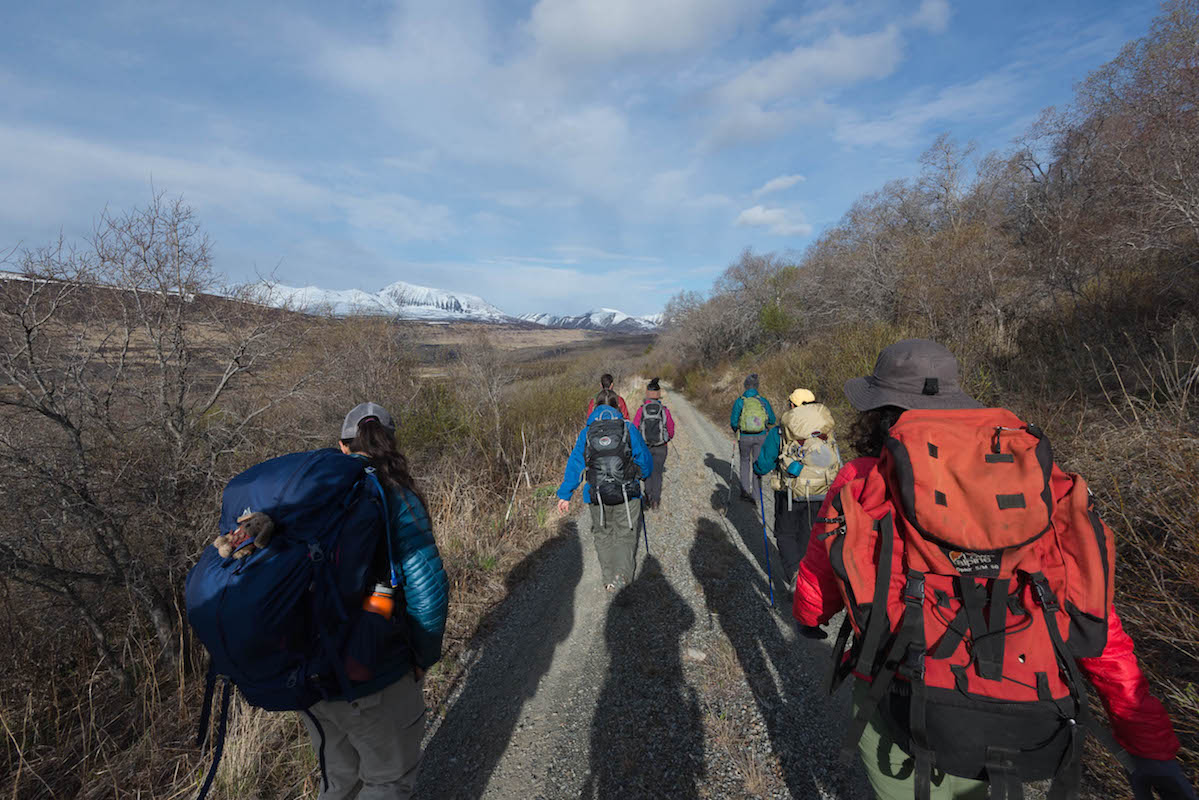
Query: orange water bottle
(380, 601)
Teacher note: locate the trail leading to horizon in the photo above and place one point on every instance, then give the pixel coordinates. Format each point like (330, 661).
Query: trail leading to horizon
(687, 684)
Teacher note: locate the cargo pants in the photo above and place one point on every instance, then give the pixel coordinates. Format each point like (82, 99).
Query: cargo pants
(615, 542)
(370, 748)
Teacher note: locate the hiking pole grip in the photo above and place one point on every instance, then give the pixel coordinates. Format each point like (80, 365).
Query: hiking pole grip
(765, 544)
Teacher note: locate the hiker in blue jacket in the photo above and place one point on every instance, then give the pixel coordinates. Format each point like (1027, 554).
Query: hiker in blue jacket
(370, 742)
(752, 417)
(613, 459)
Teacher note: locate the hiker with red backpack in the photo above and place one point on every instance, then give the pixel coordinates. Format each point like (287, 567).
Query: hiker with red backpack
(606, 384)
(801, 457)
(977, 582)
(339, 615)
(611, 457)
(750, 419)
(656, 424)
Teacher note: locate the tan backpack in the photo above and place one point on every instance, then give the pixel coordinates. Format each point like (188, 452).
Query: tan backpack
(807, 441)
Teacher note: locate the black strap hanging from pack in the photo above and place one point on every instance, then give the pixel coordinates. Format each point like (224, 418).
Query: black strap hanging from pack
(912, 668)
(1067, 782)
(222, 728)
(320, 752)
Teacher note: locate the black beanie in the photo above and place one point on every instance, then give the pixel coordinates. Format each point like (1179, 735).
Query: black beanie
(653, 385)
(751, 381)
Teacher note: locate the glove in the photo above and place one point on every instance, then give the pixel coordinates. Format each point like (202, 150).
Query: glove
(1166, 777)
(812, 632)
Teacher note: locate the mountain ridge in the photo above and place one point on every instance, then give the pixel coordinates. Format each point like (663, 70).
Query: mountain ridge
(413, 301)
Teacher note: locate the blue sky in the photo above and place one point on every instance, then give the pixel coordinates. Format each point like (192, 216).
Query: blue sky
(556, 155)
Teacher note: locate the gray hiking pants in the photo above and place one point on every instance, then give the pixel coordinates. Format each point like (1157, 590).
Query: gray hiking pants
(615, 543)
(748, 445)
(371, 746)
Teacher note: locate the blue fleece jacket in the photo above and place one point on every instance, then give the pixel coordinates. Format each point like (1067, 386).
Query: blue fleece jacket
(735, 417)
(575, 466)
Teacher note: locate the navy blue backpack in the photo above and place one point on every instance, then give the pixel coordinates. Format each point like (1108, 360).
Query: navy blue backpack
(276, 622)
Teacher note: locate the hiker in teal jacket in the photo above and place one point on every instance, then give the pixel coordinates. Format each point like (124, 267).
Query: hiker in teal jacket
(750, 436)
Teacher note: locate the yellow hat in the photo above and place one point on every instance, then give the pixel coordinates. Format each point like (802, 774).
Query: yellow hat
(801, 396)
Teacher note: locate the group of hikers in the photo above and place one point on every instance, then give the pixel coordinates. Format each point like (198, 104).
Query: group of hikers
(975, 578)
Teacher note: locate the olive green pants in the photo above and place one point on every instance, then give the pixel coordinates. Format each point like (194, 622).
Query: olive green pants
(615, 540)
(891, 770)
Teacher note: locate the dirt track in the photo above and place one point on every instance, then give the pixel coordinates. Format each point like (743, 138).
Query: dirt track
(687, 684)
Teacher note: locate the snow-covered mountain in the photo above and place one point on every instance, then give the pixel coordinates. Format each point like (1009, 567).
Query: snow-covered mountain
(604, 319)
(400, 299)
(407, 300)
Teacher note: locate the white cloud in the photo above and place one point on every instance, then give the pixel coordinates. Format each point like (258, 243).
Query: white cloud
(776, 220)
(609, 30)
(988, 97)
(933, 15)
(838, 60)
(778, 184)
(40, 167)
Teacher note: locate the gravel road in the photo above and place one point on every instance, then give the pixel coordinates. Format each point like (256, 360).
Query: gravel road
(687, 684)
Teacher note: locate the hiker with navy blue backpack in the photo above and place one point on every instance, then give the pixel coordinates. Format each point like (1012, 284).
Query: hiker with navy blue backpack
(656, 424)
(751, 418)
(337, 613)
(610, 455)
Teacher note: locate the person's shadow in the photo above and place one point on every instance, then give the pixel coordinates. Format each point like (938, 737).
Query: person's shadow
(466, 748)
(647, 734)
(804, 724)
(746, 518)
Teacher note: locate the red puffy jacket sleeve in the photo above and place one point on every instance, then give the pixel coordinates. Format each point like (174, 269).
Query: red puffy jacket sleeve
(1139, 721)
(817, 598)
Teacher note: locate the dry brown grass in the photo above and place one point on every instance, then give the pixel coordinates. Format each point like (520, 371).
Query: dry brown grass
(69, 731)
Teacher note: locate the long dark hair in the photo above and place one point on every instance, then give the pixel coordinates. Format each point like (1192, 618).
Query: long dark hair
(868, 433)
(376, 443)
(607, 397)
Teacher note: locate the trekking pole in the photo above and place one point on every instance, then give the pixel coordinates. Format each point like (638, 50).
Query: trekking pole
(728, 500)
(766, 544)
(645, 530)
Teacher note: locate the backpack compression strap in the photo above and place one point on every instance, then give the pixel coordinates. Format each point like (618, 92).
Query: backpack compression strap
(222, 727)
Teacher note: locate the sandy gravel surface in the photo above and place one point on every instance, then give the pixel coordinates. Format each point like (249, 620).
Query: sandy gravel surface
(686, 684)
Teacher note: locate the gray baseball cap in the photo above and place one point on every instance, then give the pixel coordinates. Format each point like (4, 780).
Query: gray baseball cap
(913, 373)
(349, 428)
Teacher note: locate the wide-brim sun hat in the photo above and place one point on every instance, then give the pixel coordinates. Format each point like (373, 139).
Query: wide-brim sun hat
(911, 374)
(362, 411)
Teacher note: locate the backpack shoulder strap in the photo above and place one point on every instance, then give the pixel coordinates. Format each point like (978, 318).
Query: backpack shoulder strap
(373, 479)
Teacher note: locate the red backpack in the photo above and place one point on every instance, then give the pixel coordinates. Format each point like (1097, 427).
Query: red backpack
(975, 572)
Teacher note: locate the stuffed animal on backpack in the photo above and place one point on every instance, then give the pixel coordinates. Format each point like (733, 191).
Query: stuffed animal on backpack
(254, 525)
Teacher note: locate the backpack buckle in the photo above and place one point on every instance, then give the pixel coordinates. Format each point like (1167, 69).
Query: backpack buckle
(912, 667)
(913, 590)
(1045, 595)
(315, 552)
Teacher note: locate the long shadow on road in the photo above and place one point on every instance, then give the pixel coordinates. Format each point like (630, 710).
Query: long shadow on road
(804, 723)
(646, 735)
(513, 657)
(746, 518)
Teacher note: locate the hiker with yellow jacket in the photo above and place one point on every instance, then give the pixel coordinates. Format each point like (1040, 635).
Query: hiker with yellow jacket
(801, 457)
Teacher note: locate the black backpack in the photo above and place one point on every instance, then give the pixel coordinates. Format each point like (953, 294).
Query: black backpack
(653, 423)
(608, 454)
